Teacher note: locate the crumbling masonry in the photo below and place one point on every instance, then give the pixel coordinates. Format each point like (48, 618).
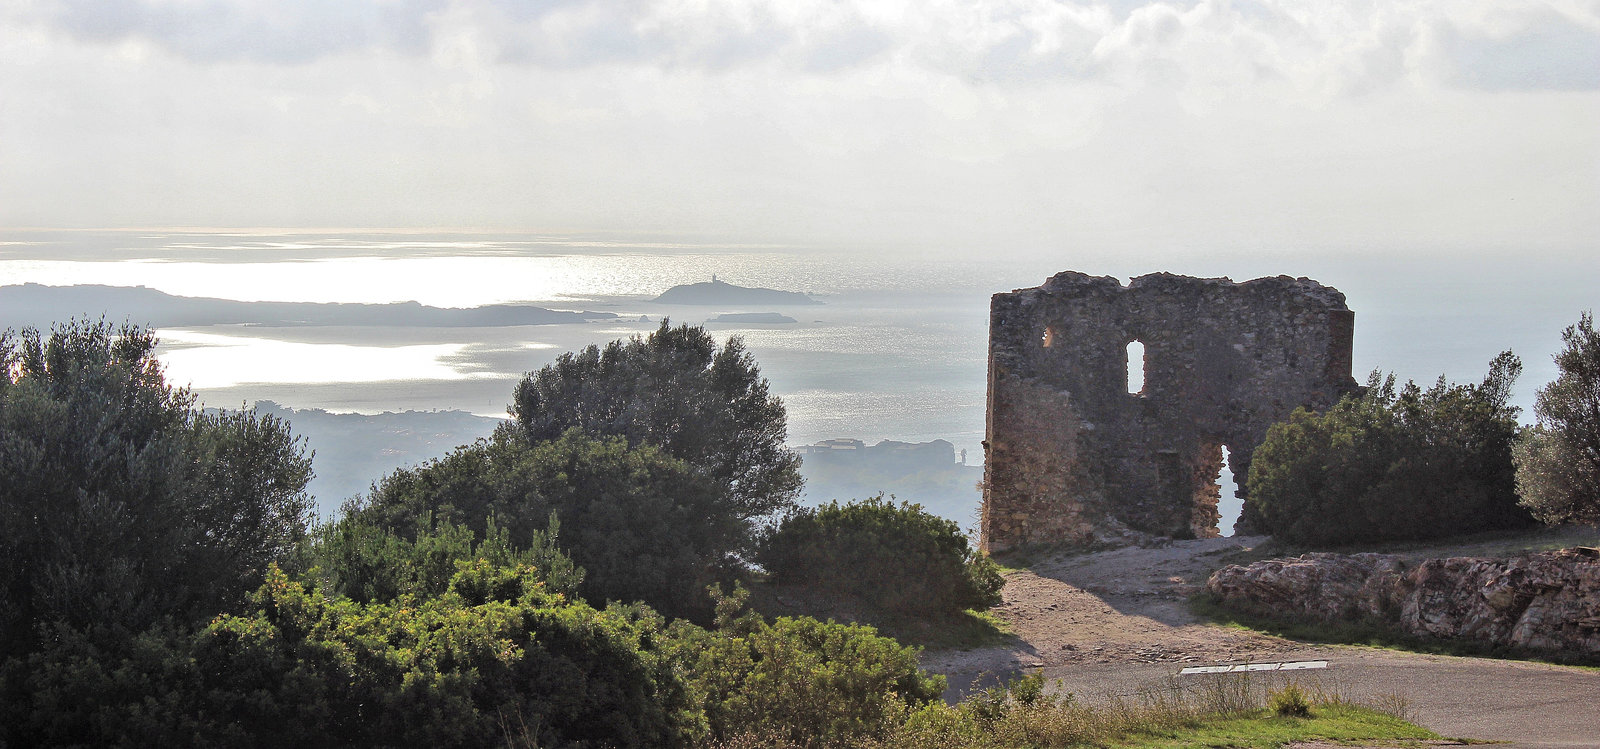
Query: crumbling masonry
(1074, 458)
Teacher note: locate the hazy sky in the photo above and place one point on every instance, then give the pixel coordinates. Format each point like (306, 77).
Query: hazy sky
(964, 125)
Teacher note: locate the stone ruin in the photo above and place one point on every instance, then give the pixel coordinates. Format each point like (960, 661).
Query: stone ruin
(1074, 458)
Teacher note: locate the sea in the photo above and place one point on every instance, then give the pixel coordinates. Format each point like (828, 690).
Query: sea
(896, 350)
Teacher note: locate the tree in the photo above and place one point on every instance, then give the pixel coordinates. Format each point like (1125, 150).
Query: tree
(644, 525)
(1558, 461)
(676, 390)
(120, 502)
(1393, 464)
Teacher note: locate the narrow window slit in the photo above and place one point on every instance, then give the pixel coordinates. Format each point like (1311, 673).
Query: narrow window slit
(1136, 367)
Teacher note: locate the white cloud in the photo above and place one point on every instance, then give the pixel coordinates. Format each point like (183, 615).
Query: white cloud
(949, 123)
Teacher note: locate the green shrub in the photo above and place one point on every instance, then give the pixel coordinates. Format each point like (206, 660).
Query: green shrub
(798, 681)
(367, 563)
(643, 525)
(899, 558)
(494, 660)
(1390, 464)
(1290, 701)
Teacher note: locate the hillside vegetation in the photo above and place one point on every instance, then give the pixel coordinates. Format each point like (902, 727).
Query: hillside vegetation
(576, 580)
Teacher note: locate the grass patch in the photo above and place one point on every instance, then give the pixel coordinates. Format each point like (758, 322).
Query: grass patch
(1263, 729)
(1235, 710)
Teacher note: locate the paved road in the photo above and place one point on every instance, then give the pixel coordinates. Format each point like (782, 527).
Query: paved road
(1527, 704)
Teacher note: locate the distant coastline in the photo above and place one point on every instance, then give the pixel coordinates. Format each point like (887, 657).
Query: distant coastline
(38, 305)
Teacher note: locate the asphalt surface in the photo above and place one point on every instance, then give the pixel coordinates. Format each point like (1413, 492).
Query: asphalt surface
(1524, 704)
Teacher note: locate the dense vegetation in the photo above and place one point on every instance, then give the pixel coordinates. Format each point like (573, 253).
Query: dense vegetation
(121, 505)
(646, 526)
(1393, 463)
(1558, 461)
(163, 587)
(898, 560)
(447, 608)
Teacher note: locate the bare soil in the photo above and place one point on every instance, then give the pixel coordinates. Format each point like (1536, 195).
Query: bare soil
(1129, 605)
(1121, 606)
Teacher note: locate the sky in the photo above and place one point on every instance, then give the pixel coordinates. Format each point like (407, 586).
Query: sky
(961, 126)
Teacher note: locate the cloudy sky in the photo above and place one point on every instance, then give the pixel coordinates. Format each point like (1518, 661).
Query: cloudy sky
(960, 124)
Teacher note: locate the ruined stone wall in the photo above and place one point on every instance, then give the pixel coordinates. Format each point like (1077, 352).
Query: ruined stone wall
(1073, 457)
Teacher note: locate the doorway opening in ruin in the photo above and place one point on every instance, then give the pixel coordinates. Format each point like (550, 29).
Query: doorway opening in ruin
(1135, 367)
(1229, 505)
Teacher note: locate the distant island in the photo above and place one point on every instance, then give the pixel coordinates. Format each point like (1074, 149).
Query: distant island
(722, 292)
(38, 305)
(757, 318)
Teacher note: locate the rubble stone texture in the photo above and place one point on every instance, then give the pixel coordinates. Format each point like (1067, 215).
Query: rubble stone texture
(1546, 601)
(1073, 458)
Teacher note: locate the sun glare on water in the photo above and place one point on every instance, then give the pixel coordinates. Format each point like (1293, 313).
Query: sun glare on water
(208, 360)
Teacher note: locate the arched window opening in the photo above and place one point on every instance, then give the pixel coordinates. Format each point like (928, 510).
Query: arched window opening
(1136, 367)
(1229, 505)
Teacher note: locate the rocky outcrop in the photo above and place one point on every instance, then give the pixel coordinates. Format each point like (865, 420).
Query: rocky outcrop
(1546, 601)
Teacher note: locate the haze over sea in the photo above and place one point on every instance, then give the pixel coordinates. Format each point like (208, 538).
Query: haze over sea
(897, 350)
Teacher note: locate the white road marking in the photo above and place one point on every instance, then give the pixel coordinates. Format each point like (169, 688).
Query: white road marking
(1291, 666)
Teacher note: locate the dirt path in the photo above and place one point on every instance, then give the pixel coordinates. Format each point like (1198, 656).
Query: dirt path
(1122, 606)
(1114, 621)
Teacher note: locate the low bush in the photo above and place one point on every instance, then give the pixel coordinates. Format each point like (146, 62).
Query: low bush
(494, 660)
(367, 563)
(799, 682)
(1290, 701)
(897, 558)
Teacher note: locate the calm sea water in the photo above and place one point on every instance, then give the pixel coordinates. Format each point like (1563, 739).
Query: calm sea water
(897, 350)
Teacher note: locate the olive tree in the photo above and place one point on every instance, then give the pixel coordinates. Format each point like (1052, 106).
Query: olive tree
(1558, 461)
(677, 390)
(121, 503)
